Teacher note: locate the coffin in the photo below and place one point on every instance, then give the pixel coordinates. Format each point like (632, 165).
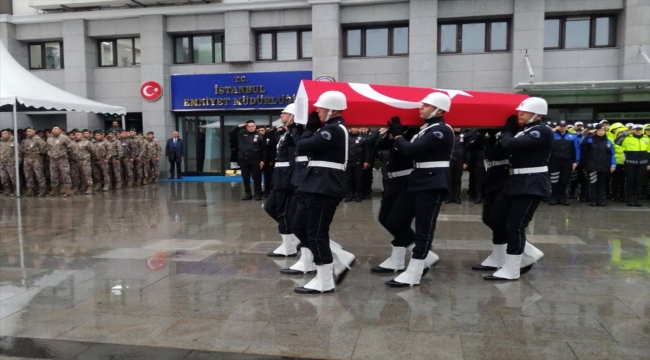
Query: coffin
(374, 105)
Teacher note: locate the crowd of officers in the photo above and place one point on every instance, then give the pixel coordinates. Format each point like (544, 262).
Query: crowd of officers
(56, 162)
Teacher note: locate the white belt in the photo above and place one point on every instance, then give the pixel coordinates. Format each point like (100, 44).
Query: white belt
(400, 173)
(530, 170)
(327, 164)
(301, 159)
(489, 164)
(431, 164)
(282, 164)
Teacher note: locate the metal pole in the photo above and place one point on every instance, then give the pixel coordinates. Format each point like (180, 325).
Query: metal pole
(16, 146)
(20, 240)
(645, 56)
(123, 122)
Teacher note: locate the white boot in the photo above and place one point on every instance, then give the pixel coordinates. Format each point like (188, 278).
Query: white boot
(296, 241)
(531, 256)
(334, 243)
(287, 248)
(431, 259)
(322, 283)
(495, 261)
(411, 276)
(509, 271)
(343, 261)
(304, 266)
(395, 263)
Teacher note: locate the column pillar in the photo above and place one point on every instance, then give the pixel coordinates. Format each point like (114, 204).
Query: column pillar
(423, 43)
(326, 38)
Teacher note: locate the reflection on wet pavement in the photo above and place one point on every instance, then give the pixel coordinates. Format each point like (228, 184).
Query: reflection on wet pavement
(180, 271)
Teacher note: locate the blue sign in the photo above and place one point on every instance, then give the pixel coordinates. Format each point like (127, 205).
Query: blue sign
(236, 91)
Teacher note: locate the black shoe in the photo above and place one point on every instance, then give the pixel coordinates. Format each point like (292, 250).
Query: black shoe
(265, 195)
(180, 177)
(358, 199)
(478, 201)
(458, 201)
(484, 268)
(303, 290)
(171, 178)
(448, 201)
(347, 199)
(289, 271)
(525, 269)
(381, 270)
(396, 284)
(593, 204)
(566, 203)
(247, 197)
(601, 204)
(257, 197)
(631, 203)
(552, 202)
(272, 254)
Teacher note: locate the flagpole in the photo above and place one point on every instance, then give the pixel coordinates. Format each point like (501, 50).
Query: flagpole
(16, 146)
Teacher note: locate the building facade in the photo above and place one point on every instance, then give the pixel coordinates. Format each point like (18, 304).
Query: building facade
(587, 57)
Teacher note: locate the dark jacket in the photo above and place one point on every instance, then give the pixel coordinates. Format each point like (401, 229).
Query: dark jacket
(300, 164)
(396, 163)
(489, 145)
(326, 144)
(459, 147)
(528, 149)
(357, 148)
(434, 143)
(251, 146)
(285, 152)
(566, 147)
(175, 153)
(598, 154)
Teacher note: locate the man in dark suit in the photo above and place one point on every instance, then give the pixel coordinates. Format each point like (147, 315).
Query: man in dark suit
(175, 151)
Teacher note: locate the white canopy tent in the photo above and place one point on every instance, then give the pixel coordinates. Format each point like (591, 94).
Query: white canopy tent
(19, 86)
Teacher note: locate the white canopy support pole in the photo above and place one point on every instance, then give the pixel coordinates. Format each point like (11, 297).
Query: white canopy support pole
(645, 56)
(20, 239)
(16, 149)
(530, 67)
(123, 122)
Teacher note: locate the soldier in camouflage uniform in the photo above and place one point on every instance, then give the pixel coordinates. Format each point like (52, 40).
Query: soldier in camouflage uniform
(75, 176)
(138, 143)
(115, 153)
(32, 149)
(7, 162)
(150, 155)
(100, 162)
(59, 148)
(85, 153)
(128, 146)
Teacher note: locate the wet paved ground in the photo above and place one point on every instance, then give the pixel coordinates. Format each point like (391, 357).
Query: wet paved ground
(179, 271)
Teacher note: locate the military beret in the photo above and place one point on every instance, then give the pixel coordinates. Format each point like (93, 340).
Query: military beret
(98, 132)
(150, 132)
(85, 130)
(132, 129)
(29, 128)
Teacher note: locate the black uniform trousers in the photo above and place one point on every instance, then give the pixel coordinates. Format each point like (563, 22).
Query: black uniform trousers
(267, 170)
(618, 183)
(579, 182)
(513, 214)
(174, 164)
(598, 181)
(278, 206)
(367, 181)
(456, 169)
(498, 232)
(560, 176)
(248, 168)
(312, 220)
(634, 176)
(388, 201)
(424, 206)
(354, 173)
(479, 175)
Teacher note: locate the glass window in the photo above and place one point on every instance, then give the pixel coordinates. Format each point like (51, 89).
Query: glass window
(576, 33)
(353, 40)
(53, 55)
(287, 45)
(473, 38)
(202, 49)
(305, 38)
(106, 53)
(552, 33)
(400, 40)
(448, 40)
(136, 50)
(218, 48)
(604, 29)
(35, 56)
(182, 45)
(498, 36)
(377, 42)
(125, 52)
(265, 46)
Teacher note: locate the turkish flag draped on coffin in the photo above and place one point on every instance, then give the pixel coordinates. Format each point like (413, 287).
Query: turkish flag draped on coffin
(374, 105)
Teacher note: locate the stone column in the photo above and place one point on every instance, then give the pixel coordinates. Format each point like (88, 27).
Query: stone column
(326, 38)
(635, 36)
(80, 54)
(423, 42)
(156, 56)
(239, 39)
(528, 35)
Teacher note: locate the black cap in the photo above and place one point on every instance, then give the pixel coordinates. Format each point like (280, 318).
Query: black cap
(29, 128)
(85, 130)
(590, 126)
(561, 123)
(598, 126)
(132, 129)
(150, 132)
(98, 132)
(250, 121)
(56, 126)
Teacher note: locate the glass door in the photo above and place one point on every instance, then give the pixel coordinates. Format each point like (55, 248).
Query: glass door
(202, 135)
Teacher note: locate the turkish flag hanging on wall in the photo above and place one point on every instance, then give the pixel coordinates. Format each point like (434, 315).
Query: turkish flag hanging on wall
(374, 105)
